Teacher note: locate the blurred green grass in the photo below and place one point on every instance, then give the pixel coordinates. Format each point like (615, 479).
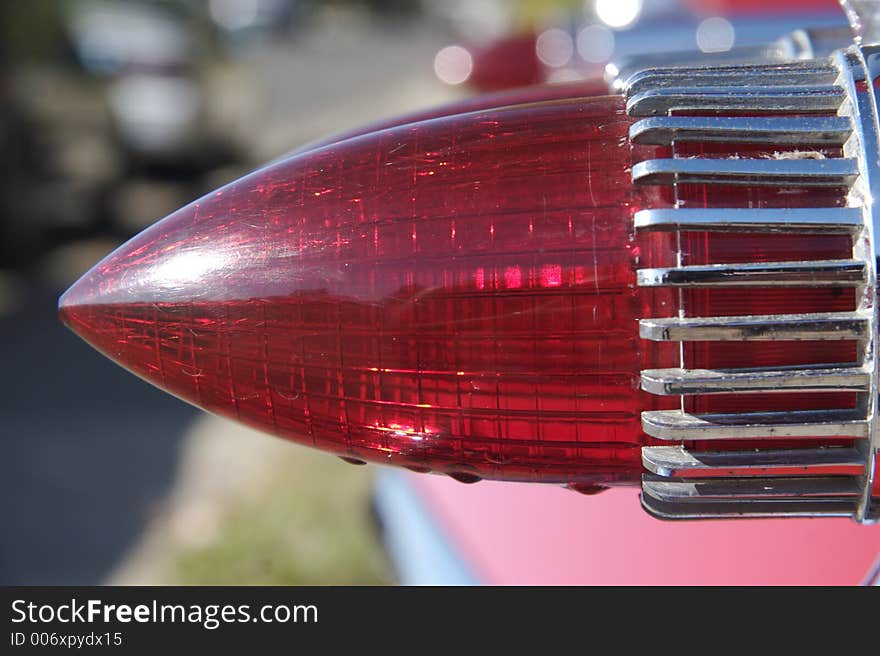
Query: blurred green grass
(308, 524)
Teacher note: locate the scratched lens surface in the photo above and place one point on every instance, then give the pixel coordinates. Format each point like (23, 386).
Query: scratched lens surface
(454, 295)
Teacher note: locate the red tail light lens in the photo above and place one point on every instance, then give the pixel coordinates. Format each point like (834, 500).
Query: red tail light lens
(454, 295)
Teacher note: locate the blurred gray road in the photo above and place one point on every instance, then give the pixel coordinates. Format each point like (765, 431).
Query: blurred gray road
(338, 76)
(88, 452)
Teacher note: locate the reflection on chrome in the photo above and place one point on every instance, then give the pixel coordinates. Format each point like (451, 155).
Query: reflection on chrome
(864, 17)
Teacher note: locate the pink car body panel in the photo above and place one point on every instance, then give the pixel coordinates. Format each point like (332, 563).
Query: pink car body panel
(511, 534)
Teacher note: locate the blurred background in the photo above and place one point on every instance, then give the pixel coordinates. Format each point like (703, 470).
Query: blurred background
(113, 113)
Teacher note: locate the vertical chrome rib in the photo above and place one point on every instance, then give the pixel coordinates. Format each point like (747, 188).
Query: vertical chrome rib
(860, 69)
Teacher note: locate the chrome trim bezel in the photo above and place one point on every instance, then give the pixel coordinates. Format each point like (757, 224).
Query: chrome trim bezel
(860, 67)
(656, 97)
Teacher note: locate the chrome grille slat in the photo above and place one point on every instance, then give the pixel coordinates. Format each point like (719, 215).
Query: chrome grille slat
(676, 461)
(684, 490)
(819, 98)
(817, 74)
(831, 326)
(732, 381)
(738, 508)
(761, 61)
(663, 130)
(821, 220)
(677, 425)
(775, 172)
(834, 273)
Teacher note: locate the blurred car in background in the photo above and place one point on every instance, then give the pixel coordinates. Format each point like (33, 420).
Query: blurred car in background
(501, 49)
(242, 22)
(148, 54)
(106, 96)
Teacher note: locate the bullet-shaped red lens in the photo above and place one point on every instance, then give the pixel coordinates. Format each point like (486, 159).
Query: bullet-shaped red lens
(454, 295)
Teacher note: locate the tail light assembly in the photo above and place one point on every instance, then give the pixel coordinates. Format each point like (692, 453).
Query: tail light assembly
(674, 287)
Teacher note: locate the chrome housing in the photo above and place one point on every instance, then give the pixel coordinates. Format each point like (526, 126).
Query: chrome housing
(689, 484)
